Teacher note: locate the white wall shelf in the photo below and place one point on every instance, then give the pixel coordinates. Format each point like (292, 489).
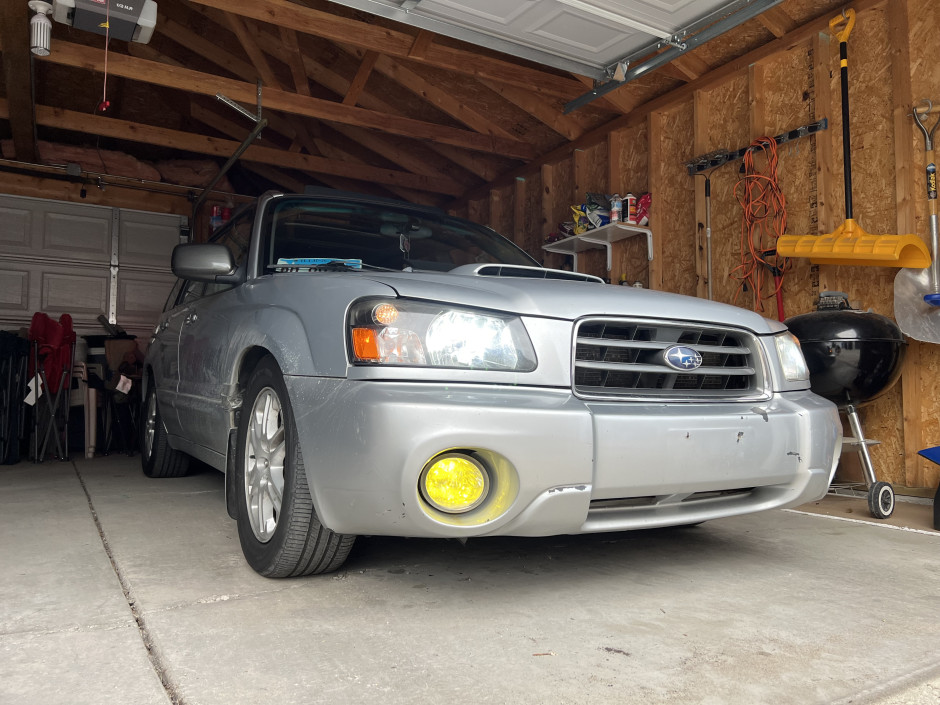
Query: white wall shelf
(602, 237)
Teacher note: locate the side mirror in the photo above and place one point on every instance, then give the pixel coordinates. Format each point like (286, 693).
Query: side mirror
(205, 262)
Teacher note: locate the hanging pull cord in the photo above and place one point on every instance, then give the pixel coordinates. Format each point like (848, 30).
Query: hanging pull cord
(764, 220)
(105, 103)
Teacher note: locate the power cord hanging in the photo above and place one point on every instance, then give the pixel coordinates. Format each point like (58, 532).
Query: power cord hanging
(764, 220)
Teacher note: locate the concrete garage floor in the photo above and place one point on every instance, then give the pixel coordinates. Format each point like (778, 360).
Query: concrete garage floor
(781, 607)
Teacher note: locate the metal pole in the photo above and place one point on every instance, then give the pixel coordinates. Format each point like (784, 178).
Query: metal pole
(846, 135)
(708, 235)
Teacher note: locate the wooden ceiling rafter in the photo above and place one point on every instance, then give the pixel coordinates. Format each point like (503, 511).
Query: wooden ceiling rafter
(437, 96)
(409, 159)
(358, 84)
(475, 163)
(257, 57)
(17, 77)
(540, 109)
(397, 43)
(421, 44)
(295, 63)
(777, 21)
(126, 66)
(200, 144)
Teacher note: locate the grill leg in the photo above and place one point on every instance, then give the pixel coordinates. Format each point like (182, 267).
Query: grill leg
(863, 455)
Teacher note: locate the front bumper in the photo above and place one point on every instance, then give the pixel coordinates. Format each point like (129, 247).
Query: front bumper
(577, 466)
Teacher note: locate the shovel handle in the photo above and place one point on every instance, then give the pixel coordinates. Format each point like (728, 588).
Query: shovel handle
(847, 16)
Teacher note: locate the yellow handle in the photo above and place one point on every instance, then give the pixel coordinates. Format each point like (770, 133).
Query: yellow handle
(847, 16)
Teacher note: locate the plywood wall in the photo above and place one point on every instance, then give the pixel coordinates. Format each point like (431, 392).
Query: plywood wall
(892, 64)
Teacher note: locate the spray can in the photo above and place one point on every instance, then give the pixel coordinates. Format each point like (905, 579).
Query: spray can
(629, 209)
(215, 218)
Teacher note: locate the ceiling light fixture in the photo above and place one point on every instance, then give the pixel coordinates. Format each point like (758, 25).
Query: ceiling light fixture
(615, 17)
(40, 28)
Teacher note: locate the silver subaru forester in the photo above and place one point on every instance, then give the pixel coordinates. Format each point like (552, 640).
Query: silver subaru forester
(357, 366)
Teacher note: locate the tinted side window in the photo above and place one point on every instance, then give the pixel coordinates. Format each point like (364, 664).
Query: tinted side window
(191, 292)
(174, 295)
(236, 236)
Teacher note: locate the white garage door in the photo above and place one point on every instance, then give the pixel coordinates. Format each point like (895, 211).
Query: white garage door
(84, 260)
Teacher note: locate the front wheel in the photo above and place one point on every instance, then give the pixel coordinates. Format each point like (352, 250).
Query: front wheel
(280, 533)
(157, 459)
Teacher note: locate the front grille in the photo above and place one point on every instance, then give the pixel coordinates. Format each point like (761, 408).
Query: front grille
(622, 358)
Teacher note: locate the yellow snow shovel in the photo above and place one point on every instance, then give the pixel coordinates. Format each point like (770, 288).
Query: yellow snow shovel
(849, 243)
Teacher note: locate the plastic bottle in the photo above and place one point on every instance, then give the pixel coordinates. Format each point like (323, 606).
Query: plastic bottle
(616, 208)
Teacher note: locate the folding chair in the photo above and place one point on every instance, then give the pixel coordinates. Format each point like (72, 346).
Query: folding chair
(51, 368)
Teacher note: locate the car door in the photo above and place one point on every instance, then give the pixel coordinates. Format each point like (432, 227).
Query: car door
(207, 335)
(164, 351)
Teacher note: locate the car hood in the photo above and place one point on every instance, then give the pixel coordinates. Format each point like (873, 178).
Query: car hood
(567, 300)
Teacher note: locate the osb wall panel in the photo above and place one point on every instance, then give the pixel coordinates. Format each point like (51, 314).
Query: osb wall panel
(874, 207)
(592, 178)
(502, 220)
(727, 129)
(787, 101)
(534, 237)
(630, 261)
(676, 200)
(595, 175)
(925, 83)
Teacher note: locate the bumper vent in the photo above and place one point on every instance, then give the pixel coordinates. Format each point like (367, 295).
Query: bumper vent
(626, 359)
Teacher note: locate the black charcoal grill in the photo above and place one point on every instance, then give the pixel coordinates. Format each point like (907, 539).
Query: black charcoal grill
(853, 357)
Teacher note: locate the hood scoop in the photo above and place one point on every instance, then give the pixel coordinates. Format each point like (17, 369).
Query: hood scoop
(522, 272)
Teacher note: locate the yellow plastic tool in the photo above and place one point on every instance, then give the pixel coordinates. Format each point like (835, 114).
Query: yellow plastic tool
(849, 243)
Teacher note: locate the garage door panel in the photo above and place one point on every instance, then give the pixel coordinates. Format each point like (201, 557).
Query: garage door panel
(84, 260)
(14, 291)
(77, 237)
(141, 295)
(78, 294)
(148, 239)
(15, 228)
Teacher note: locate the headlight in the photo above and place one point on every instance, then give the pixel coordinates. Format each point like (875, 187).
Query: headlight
(791, 357)
(422, 334)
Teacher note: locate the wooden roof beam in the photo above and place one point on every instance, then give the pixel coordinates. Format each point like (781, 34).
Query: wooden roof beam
(438, 97)
(255, 55)
(538, 108)
(777, 21)
(390, 149)
(475, 162)
(175, 139)
(284, 13)
(68, 54)
(296, 60)
(358, 83)
(17, 72)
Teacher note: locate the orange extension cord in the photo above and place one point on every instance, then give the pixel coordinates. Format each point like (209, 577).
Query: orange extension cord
(765, 219)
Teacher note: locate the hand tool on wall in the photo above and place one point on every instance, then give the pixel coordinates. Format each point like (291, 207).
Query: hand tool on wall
(849, 243)
(917, 291)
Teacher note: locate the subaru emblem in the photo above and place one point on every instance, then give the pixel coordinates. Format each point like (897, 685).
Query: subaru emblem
(682, 358)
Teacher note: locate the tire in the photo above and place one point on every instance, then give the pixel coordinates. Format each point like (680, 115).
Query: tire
(280, 533)
(157, 459)
(881, 500)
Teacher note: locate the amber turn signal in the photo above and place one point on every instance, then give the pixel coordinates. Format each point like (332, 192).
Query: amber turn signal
(365, 345)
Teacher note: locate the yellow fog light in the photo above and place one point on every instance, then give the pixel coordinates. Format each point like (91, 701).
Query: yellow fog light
(454, 483)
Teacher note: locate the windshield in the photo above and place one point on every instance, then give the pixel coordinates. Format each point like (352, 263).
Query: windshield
(380, 235)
